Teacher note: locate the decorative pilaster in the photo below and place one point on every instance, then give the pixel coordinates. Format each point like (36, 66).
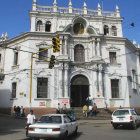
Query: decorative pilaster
(99, 10)
(117, 11)
(55, 6)
(70, 6)
(85, 8)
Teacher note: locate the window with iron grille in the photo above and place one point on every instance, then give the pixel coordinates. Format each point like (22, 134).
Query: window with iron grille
(115, 88)
(112, 56)
(42, 87)
(14, 87)
(15, 58)
(79, 53)
(43, 55)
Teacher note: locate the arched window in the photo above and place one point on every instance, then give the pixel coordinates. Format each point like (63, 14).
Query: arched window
(114, 31)
(48, 26)
(106, 30)
(39, 26)
(79, 53)
(78, 28)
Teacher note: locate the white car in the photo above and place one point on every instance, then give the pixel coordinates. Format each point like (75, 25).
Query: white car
(53, 126)
(125, 117)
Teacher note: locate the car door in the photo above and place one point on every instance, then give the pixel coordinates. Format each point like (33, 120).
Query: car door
(68, 124)
(73, 124)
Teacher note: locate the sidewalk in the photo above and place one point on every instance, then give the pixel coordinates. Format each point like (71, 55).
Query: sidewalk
(99, 122)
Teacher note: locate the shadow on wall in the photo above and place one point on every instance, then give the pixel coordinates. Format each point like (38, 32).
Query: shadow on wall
(5, 101)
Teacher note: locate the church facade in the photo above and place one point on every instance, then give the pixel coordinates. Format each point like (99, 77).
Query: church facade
(94, 59)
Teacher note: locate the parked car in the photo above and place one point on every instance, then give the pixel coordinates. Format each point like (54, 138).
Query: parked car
(125, 117)
(53, 126)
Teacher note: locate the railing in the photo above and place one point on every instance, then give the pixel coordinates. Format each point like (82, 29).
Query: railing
(44, 8)
(92, 12)
(63, 10)
(75, 11)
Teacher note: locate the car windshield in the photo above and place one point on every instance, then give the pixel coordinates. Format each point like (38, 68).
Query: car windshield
(50, 119)
(121, 112)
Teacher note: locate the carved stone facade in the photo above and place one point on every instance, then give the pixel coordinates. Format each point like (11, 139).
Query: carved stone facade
(94, 59)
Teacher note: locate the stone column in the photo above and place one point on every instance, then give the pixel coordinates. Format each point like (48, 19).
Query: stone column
(60, 84)
(93, 47)
(65, 46)
(98, 48)
(66, 81)
(61, 46)
(100, 80)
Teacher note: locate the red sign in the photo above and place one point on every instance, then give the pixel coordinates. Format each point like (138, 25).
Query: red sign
(65, 101)
(42, 104)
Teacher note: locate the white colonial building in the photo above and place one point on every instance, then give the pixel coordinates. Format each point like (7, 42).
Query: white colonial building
(94, 59)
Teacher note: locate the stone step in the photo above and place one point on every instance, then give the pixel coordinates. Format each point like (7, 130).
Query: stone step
(101, 115)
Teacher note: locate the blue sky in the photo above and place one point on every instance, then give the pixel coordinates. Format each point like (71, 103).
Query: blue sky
(15, 14)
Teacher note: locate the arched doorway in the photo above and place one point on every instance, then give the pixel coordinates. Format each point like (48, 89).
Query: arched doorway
(79, 90)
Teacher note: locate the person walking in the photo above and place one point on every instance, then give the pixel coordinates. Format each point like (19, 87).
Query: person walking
(18, 111)
(85, 109)
(89, 100)
(58, 109)
(64, 109)
(95, 109)
(21, 111)
(30, 120)
(72, 114)
(90, 111)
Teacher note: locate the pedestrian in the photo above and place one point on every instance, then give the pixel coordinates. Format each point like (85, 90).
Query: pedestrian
(121, 107)
(21, 111)
(94, 109)
(89, 100)
(58, 109)
(72, 114)
(90, 111)
(85, 110)
(30, 120)
(18, 111)
(15, 111)
(64, 109)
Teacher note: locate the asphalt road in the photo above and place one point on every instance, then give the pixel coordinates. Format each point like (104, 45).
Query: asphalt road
(13, 129)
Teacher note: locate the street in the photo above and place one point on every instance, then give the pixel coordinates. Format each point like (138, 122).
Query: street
(13, 129)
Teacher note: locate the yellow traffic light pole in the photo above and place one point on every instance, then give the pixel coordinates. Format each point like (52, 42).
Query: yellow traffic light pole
(31, 72)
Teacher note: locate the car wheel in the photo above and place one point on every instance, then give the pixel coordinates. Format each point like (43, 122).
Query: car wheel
(115, 126)
(134, 125)
(65, 136)
(75, 132)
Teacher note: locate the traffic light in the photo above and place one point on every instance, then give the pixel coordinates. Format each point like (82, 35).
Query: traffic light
(56, 44)
(52, 61)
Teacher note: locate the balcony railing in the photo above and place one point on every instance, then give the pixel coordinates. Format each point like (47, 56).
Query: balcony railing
(75, 11)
